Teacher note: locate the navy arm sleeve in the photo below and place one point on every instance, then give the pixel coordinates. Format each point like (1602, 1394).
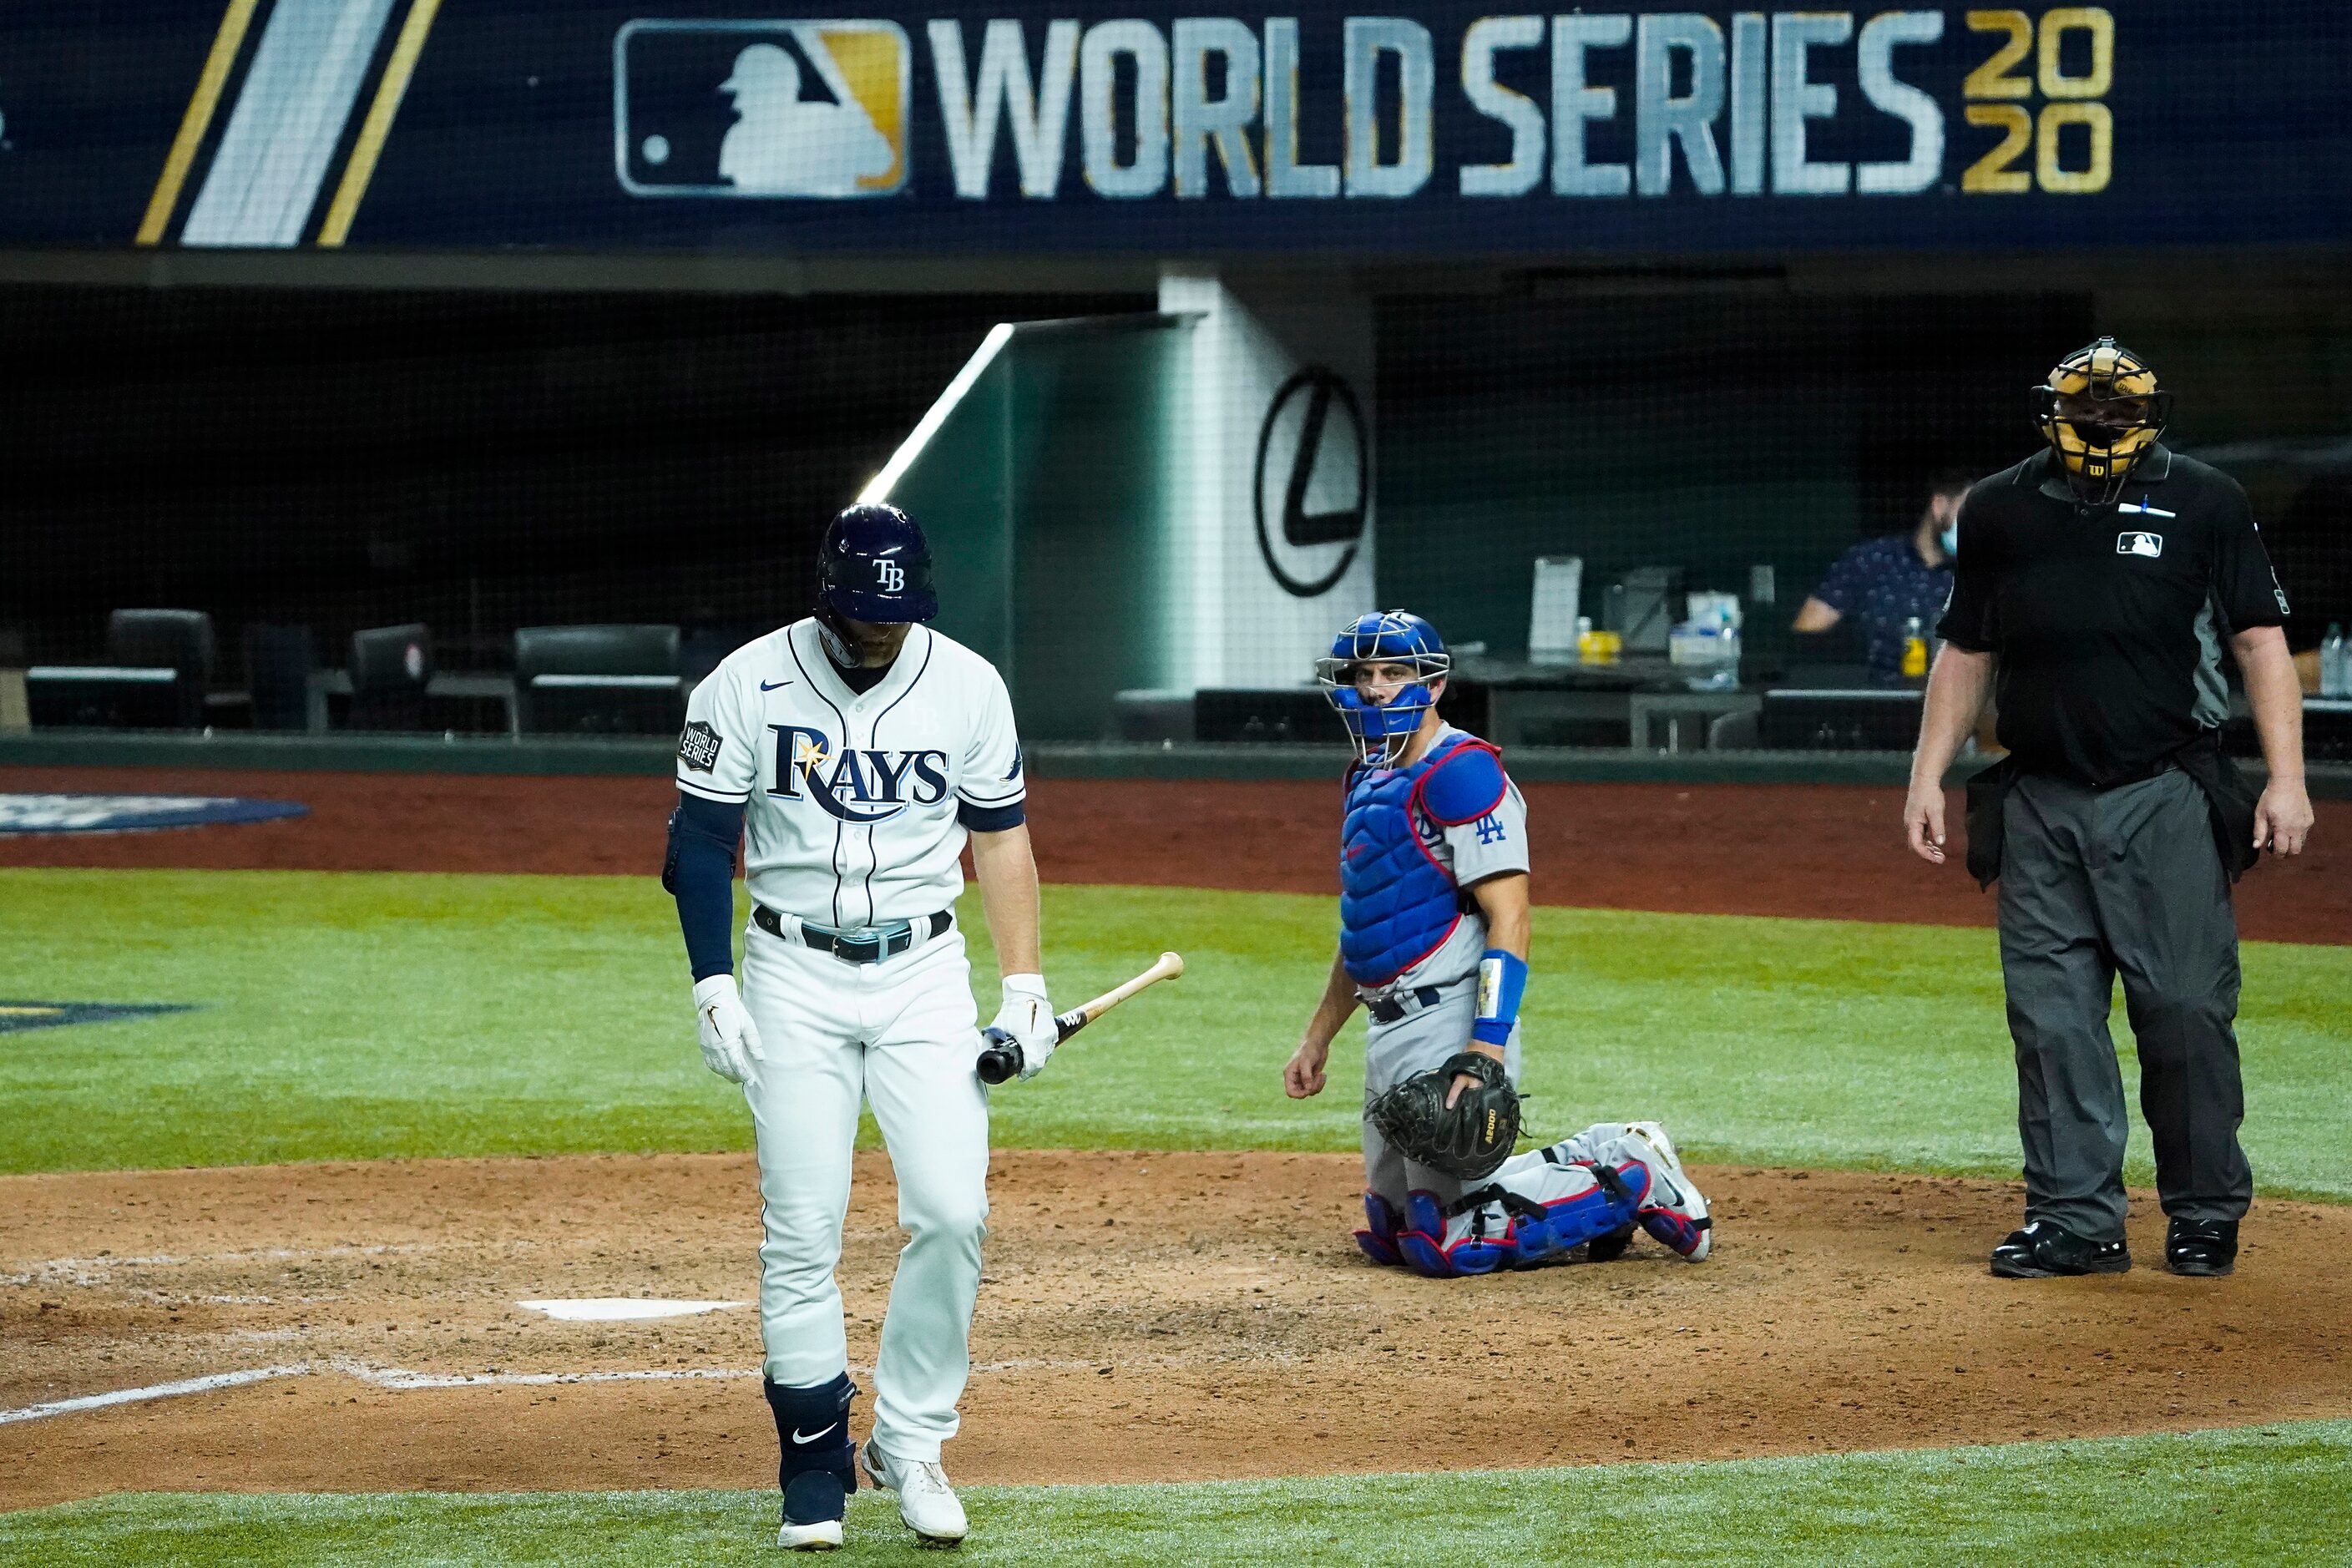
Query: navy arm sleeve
(990, 818)
(699, 872)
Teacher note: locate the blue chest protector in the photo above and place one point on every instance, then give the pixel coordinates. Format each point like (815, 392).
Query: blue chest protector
(1397, 903)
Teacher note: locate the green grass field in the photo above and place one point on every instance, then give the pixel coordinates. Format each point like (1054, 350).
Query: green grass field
(349, 1017)
(2263, 1494)
(354, 1017)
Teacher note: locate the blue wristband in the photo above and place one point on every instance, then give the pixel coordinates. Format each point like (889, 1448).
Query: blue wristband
(1502, 981)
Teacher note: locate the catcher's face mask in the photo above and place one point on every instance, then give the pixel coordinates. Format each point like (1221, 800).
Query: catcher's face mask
(1382, 673)
(2101, 411)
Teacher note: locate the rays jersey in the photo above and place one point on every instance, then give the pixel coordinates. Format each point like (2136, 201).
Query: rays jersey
(857, 805)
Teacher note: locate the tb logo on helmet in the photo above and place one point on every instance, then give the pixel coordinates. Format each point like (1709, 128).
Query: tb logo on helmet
(853, 786)
(874, 566)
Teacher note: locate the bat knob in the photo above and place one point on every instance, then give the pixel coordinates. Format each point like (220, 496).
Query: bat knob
(1002, 1059)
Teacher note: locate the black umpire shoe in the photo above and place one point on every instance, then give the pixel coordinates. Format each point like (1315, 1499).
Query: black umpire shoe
(2043, 1249)
(2203, 1248)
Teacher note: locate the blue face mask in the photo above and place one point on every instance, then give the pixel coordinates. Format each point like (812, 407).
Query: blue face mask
(1951, 538)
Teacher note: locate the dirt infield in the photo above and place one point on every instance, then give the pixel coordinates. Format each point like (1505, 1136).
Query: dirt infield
(1158, 1316)
(1143, 1316)
(1826, 850)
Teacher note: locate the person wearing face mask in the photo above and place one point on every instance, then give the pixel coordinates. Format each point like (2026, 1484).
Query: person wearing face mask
(2099, 581)
(1433, 933)
(1886, 584)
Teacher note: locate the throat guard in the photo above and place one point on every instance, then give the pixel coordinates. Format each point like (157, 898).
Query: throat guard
(1397, 903)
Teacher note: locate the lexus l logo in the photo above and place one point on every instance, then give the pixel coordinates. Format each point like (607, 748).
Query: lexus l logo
(1312, 476)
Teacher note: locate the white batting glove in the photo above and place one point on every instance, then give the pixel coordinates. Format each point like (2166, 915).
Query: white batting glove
(731, 1041)
(1028, 1017)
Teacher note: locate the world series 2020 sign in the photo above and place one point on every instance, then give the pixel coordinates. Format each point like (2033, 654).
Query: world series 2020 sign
(1439, 128)
(1211, 106)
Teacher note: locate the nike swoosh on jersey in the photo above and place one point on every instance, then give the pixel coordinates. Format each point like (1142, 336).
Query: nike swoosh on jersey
(801, 1436)
(773, 685)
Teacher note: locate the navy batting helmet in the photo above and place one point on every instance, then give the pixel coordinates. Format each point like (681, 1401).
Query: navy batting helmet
(1382, 729)
(874, 566)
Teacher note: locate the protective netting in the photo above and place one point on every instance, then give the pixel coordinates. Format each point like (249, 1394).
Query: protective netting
(1411, 301)
(1125, 502)
(343, 459)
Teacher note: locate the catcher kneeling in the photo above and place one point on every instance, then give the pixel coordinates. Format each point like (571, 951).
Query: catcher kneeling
(1433, 944)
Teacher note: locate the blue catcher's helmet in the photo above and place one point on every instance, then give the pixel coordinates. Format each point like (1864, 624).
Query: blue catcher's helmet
(1382, 731)
(874, 566)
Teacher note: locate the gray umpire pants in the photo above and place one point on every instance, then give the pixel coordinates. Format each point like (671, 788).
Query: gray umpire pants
(2127, 881)
(1423, 1038)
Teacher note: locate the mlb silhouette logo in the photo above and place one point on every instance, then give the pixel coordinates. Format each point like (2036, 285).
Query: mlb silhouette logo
(761, 109)
(2150, 545)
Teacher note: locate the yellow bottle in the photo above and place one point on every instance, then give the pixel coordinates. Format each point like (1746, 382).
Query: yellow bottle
(1915, 650)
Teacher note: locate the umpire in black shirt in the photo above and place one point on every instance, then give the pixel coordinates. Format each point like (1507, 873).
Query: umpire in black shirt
(2095, 584)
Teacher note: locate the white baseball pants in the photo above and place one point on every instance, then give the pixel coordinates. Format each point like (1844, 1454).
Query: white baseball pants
(901, 1034)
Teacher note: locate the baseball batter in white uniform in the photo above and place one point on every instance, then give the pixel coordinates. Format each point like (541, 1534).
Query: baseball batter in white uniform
(856, 752)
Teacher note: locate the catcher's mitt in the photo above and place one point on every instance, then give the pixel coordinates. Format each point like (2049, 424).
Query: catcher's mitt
(1466, 1140)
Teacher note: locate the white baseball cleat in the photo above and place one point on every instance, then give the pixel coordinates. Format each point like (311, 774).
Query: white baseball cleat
(926, 1501)
(824, 1535)
(1674, 1212)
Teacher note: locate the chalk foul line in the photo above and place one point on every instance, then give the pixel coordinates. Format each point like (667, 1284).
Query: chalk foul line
(399, 1378)
(394, 1378)
(152, 1391)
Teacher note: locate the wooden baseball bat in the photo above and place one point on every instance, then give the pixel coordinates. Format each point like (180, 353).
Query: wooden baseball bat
(1002, 1059)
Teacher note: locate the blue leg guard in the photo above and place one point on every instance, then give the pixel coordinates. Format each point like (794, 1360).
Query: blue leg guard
(1378, 1239)
(1520, 1222)
(1547, 1229)
(1443, 1244)
(818, 1471)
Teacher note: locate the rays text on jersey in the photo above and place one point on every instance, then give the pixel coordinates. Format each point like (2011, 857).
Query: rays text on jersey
(851, 784)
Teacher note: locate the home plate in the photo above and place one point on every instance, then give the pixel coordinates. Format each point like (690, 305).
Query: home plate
(623, 1308)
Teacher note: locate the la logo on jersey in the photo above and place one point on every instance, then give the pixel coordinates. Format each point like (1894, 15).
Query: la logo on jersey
(2149, 545)
(861, 786)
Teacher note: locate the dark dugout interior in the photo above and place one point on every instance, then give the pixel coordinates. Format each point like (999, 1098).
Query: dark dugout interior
(477, 461)
(480, 460)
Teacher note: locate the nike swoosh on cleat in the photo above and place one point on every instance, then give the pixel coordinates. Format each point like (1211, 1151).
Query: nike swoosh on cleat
(773, 685)
(801, 1436)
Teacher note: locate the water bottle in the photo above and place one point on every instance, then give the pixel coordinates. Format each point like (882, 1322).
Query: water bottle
(2334, 663)
(1915, 650)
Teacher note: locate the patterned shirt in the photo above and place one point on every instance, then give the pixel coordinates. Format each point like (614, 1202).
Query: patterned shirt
(1880, 584)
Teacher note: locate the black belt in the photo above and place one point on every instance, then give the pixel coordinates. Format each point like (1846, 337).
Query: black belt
(1389, 1009)
(871, 945)
(2156, 768)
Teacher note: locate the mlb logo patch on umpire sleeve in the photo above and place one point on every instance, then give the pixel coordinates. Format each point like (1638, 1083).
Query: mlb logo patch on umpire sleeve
(698, 746)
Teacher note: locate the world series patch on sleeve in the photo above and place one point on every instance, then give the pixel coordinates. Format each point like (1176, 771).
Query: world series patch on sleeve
(698, 746)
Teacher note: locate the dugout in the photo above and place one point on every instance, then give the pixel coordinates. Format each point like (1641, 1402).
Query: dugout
(1186, 336)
